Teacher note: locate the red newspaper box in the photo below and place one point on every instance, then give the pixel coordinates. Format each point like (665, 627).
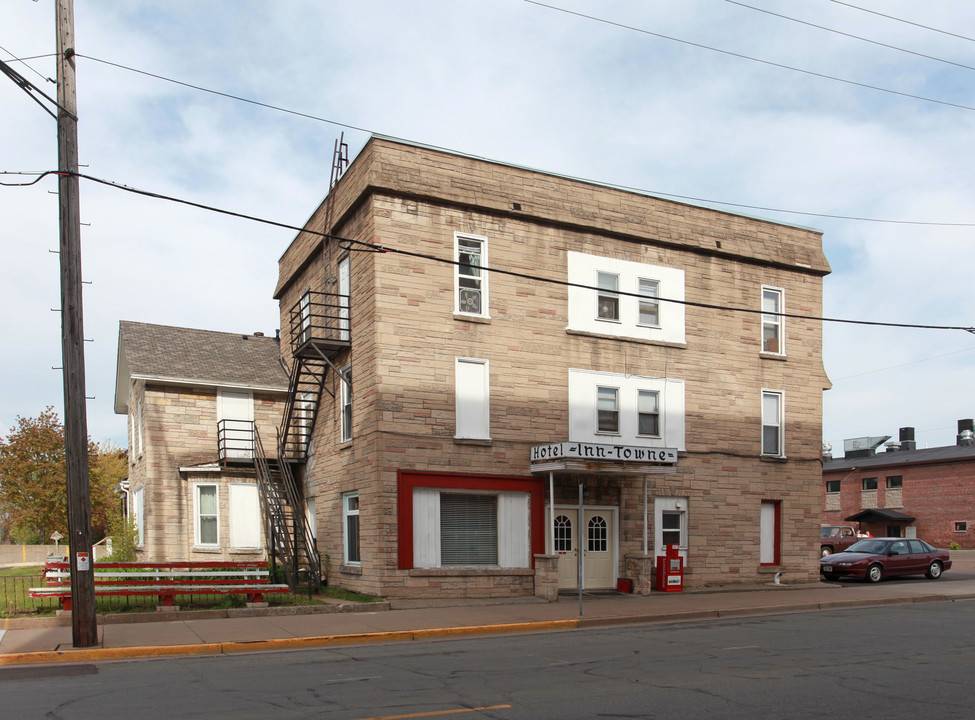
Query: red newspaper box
(670, 570)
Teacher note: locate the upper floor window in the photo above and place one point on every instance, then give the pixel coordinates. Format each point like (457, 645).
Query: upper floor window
(833, 486)
(648, 305)
(607, 299)
(648, 413)
(346, 413)
(607, 410)
(869, 483)
(895, 482)
(470, 253)
(772, 321)
(772, 423)
(625, 298)
(345, 291)
(472, 398)
(634, 409)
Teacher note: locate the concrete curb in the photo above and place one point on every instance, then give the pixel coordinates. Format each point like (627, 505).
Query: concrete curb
(227, 648)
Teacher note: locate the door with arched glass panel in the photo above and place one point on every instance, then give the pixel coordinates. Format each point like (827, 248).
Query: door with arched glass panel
(598, 539)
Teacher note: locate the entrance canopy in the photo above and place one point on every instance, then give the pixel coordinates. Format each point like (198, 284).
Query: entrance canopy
(879, 515)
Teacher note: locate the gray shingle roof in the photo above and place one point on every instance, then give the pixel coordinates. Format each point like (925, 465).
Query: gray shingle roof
(201, 356)
(903, 457)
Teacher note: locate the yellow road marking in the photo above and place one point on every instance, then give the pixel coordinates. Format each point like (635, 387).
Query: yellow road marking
(437, 712)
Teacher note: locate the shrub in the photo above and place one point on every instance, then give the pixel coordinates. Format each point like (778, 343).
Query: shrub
(124, 535)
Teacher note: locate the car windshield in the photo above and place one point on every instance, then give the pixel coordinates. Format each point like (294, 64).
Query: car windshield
(872, 547)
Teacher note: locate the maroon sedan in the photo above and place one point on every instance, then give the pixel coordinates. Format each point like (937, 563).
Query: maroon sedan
(874, 558)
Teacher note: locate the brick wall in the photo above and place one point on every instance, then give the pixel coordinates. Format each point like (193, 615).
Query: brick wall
(937, 494)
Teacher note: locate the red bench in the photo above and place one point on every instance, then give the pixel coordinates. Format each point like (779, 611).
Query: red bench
(164, 580)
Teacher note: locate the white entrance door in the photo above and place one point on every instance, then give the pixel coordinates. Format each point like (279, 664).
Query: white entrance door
(598, 538)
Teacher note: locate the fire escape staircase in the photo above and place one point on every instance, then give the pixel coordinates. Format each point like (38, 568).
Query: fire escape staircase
(289, 535)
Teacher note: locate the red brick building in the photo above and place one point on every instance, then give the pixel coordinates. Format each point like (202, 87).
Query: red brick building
(904, 491)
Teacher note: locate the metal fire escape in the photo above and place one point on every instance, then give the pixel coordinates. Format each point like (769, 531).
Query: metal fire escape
(319, 330)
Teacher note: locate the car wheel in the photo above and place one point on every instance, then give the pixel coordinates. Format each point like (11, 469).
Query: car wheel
(875, 573)
(934, 570)
(826, 551)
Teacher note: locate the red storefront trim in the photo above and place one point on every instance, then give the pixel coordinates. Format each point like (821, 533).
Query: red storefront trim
(406, 480)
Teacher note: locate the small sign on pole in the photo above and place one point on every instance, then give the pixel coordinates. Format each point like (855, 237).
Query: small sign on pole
(84, 561)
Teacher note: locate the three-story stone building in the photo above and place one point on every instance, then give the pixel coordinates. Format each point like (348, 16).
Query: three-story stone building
(494, 369)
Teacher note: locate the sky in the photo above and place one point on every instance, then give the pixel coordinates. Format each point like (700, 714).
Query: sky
(720, 101)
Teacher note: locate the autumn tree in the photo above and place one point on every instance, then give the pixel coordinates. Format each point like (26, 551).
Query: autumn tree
(33, 492)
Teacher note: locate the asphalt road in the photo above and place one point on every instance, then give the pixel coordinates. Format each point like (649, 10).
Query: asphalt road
(905, 662)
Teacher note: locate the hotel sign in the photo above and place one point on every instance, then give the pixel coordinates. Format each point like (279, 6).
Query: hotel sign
(608, 453)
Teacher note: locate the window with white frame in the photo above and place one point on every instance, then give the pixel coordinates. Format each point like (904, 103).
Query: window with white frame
(772, 433)
(350, 527)
(772, 320)
(206, 525)
(648, 305)
(470, 253)
(636, 410)
(345, 290)
(245, 516)
(670, 524)
(608, 410)
(137, 513)
(472, 398)
(648, 413)
(138, 424)
(345, 420)
(607, 297)
(470, 528)
(625, 298)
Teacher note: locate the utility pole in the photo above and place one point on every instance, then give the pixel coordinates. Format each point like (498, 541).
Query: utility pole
(84, 631)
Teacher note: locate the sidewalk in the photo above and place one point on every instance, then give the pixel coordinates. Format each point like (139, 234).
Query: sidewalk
(144, 635)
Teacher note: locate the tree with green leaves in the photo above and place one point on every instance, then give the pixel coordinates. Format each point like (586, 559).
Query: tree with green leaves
(33, 493)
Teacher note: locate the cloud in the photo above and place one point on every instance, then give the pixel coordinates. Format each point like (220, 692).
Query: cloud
(514, 82)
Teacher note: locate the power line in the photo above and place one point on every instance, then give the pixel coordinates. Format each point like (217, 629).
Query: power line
(226, 95)
(750, 58)
(22, 61)
(854, 37)
(661, 193)
(902, 20)
(895, 367)
(376, 247)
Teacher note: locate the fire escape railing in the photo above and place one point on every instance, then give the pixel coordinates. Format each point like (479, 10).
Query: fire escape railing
(319, 318)
(289, 534)
(235, 441)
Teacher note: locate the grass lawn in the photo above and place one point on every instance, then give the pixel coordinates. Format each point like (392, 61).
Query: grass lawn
(21, 571)
(15, 600)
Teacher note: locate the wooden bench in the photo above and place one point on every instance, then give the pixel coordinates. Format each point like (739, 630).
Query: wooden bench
(164, 580)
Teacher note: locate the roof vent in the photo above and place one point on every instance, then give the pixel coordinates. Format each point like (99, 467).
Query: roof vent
(892, 446)
(966, 432)
(258, 334)
(827, 451)
(863, 446)
(907, 439)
